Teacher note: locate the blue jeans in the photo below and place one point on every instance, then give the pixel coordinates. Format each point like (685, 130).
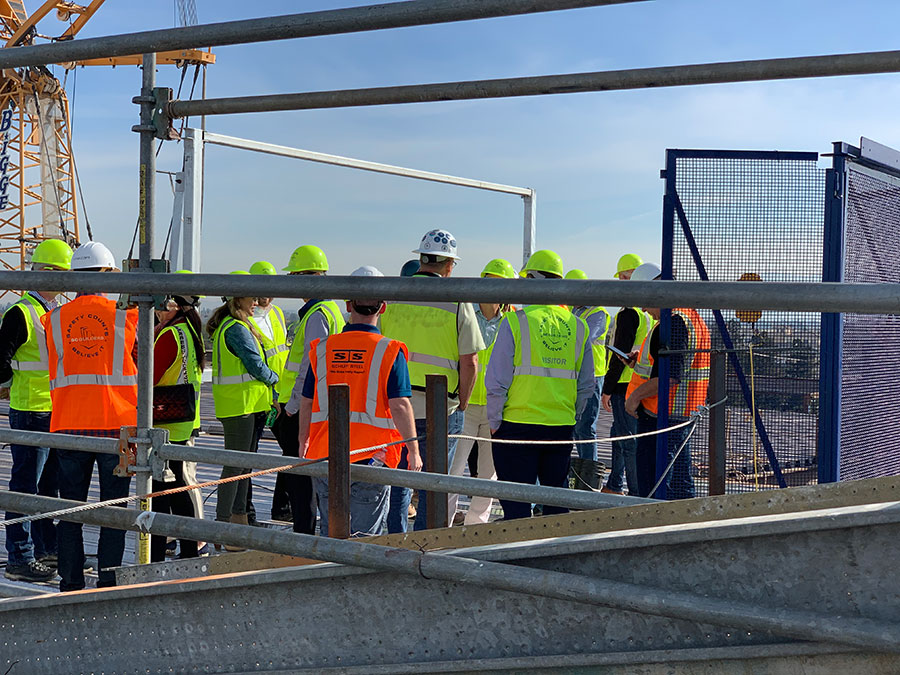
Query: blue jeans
(368, 507)
(624, 453)
(75, 471)
(586, 424)
(397, 519)
(34, 471)
(679, 483)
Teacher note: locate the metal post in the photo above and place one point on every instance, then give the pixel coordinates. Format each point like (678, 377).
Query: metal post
(339, 461)
(147, 214)
(177, 218)
(193, 198)
(436, 447)
(528, 242)
(717, 424)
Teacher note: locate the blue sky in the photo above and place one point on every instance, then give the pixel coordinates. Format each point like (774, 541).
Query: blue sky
(594, 159)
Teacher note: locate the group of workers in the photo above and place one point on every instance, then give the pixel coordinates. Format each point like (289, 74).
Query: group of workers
(526, 381)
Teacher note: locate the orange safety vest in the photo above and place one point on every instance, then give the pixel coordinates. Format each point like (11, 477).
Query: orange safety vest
(690, 391)
(362, 360)
(93, 377)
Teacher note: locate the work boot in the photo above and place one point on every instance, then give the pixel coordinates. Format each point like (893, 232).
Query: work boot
(574, 473)
(237, 519)
(590, 473)
(31, 571)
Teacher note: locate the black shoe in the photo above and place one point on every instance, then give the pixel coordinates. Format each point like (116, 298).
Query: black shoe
(30, 571)
(171, 548)
(50, 560)
(283, 516)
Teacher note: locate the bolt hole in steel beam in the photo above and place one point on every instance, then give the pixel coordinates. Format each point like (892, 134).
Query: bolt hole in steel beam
(310, 24)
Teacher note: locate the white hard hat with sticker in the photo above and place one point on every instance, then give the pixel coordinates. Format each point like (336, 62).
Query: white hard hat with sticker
(438, 242)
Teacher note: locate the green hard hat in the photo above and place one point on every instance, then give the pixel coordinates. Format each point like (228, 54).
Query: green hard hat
(53, 252)
(629, 261)
(499, 268)
(263, 267)
(576, 274)
(545, 261)
(307, 259)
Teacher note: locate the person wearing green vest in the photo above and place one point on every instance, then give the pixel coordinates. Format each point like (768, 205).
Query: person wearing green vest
(242, 392)
(585, 466)
(476, 422)
(317, 320)
(178, 358)
(443, 339)
(31, 547)
(269, 319)
(539, 378)
(629, 327)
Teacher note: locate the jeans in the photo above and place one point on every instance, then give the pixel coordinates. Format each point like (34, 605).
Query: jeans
(624, 453)
(240, 434)
(368, 507)
(531, 464)
(586, 424)
(397, 519)
(75, 471)
(679, 483)
(300, 494)
(34, 471)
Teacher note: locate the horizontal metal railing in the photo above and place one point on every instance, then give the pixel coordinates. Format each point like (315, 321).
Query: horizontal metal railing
(802, 297)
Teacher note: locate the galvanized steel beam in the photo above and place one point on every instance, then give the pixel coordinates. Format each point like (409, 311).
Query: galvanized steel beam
(802, 297)
(251, 622)
(571, 83)
(311, 24)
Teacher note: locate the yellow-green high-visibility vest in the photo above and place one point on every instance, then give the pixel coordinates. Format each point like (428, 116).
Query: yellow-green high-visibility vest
(276, 348)
(30, 389)
(235, 391)
(479, 392)
(549, 343)
(291, 371)
(176, 374)
(430, 332)
(645, 325)
(598, 345)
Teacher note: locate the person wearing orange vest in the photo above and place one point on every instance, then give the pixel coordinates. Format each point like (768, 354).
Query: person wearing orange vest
(93, 391)
(688, 382)
(375, 368)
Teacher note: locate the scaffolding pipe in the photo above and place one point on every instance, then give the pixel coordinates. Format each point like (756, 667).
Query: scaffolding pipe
(310, 24)
(146, 222)
(573, 83)
(418, 480)
(797, 297)
(803, 625)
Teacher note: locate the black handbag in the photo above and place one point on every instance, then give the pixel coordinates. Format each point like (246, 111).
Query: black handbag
(175, 403)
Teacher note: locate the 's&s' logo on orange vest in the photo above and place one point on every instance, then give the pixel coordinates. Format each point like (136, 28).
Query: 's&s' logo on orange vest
(87, 335)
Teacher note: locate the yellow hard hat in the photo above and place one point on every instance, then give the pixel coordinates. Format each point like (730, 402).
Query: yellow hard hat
(263, 267)
(576, 274)
(499, 268)
(307, 259)
(188, 272)
(545, 261)
(629, 261)
(53, 252)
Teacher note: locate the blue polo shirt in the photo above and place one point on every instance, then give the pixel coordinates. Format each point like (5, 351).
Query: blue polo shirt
(398, 379)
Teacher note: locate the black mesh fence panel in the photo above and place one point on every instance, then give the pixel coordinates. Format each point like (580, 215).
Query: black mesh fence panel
(870, 386)
(757, 216)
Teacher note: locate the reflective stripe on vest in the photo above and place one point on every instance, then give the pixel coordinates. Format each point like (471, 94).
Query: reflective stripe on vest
(369, 416)
(30, 387)
(561, 373)
(291, 369)
(541, 394)
(430, 332)
(235, 391)
(176, 374)
(118, 378)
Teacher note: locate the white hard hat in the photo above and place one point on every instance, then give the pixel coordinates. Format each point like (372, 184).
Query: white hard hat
(438, 242)
(92, 255)
(366, 271)
(646, 272)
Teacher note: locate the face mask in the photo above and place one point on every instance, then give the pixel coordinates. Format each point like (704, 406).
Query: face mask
(259, 312)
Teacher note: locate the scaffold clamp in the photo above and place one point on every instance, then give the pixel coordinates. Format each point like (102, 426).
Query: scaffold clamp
(127, 453)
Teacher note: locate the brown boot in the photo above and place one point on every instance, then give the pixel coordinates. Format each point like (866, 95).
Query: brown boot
(237, 519)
